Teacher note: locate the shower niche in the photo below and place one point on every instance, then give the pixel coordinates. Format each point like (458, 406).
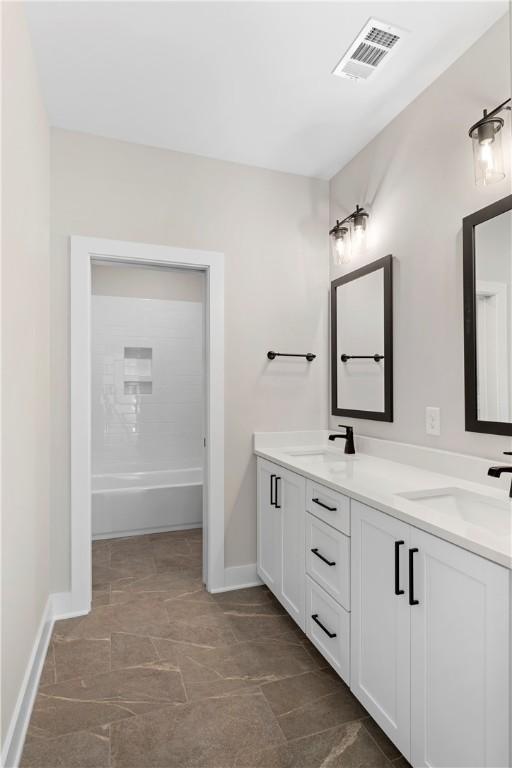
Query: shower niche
(138, 363)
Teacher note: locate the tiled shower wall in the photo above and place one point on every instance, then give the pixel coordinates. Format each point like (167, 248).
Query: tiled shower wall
(158, 343)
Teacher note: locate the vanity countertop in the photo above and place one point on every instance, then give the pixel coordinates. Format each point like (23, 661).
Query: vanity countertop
(471, 515)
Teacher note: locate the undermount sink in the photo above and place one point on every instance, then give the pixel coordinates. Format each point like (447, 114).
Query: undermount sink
(486, 512)
(321, 456)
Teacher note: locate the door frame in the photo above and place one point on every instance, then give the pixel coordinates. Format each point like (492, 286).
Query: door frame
(83, 251)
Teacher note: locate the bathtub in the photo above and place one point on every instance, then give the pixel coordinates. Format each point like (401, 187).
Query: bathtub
(131, 503)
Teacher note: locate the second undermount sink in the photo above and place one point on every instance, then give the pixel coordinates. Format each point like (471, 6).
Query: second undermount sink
(321, 456)
(486, 512)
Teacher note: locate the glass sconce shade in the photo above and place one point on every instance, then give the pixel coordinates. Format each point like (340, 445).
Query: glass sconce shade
(360, 222)
(359, 225)
(487, 150)
(341, 245)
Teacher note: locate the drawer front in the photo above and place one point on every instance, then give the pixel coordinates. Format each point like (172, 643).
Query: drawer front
(330, 506)
(329, 630)
(328, 559)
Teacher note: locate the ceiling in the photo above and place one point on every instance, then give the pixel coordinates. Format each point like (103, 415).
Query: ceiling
(248, 82)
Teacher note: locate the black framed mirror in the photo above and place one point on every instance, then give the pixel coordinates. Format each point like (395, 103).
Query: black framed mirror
(362, 342)
(487, 274)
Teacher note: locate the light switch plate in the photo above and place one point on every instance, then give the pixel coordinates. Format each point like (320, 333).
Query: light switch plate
(432, 420)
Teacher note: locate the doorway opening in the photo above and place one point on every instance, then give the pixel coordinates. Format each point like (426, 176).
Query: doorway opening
(146, 409)
(148, 413)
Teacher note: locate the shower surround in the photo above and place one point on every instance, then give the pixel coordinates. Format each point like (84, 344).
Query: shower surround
(147, 414)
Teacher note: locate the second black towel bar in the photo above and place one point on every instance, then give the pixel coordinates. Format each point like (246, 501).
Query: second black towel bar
(377, 358)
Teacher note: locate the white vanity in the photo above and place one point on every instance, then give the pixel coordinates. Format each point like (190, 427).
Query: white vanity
(401, 577)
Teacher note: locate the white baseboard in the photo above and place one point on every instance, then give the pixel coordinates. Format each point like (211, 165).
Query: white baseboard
(145, 531)
(58, 606)
(63, 608)
(15, 737)
(239, 577)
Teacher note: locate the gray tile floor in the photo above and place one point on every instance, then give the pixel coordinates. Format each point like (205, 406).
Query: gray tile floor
(163, 674)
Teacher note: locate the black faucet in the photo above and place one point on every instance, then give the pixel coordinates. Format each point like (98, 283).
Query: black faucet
(349, 439)
(498, 471)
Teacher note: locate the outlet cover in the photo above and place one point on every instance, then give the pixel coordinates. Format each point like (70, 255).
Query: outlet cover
(432, 420)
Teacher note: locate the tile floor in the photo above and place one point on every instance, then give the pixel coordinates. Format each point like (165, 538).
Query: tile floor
(162, 674)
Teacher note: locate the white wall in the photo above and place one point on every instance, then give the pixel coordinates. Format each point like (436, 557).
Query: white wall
(416, 177)
(272, 228)
(25, 355)
(160, 429)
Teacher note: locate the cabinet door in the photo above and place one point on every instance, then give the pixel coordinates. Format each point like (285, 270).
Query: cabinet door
(268, 527)
(380, 621)
(459, 658)
(291, 497)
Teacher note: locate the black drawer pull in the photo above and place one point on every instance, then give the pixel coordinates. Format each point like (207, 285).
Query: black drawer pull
(316, 620)
(321, 504)
(412, 601)
(317, 553)
(398, 591)
(277, 506)
(272, 502)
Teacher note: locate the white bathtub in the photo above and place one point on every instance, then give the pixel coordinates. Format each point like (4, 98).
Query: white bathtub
(126, 504)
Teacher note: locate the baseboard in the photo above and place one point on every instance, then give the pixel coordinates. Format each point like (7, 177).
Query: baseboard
(15, 737)
(59, 606)
(239, 577)
(63, 608)
(144, 531)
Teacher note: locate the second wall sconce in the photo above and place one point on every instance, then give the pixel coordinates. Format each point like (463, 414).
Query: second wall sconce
(487, 151)
(348, 235)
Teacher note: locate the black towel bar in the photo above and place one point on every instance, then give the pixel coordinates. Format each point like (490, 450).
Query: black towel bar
(309, 355)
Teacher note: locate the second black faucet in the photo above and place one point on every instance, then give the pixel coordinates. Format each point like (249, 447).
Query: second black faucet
(498, 471)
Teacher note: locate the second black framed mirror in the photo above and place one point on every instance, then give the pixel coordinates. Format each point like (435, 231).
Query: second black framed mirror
(487, 257)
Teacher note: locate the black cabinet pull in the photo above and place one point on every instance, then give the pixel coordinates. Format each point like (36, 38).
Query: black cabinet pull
(317, 553)
(398, 591)
(317, 621)
(277, 506)
(272, 502)
(412, 601)
(321, 504)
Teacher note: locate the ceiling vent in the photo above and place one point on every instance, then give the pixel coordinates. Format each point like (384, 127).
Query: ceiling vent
(374, 45)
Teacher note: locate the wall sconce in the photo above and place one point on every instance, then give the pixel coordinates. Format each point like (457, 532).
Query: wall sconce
(349, 235)
(487, 151)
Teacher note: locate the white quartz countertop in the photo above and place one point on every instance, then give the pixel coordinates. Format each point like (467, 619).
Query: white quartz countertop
(482, 523)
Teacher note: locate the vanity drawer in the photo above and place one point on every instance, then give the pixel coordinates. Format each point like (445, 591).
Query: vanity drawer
(330, 506)
(328, 559)
(328, 628)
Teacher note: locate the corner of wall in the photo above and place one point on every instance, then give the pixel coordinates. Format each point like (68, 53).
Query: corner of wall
(25, 364)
